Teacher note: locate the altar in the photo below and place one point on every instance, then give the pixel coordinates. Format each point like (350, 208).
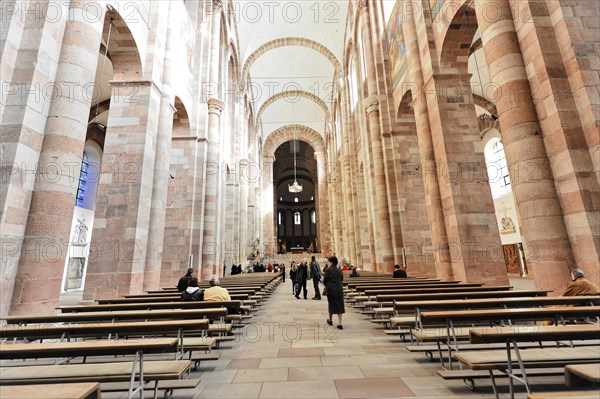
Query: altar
(297, 250)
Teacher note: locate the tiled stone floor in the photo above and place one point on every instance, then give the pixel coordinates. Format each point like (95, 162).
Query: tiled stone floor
(288, 351)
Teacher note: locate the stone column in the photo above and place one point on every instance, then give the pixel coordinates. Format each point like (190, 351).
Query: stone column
(245, 215)
(267, 207)
(384, 245)
(347, 204)
(44, 250)
(123, 205)
(26, 37)
(211, 211)
(429, 172)
(324, 229)
(545, 237)
(211, 191)
(160, 185)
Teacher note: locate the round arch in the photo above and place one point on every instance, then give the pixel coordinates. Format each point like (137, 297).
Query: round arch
(293, 132)
(290, 41)
(293, 94)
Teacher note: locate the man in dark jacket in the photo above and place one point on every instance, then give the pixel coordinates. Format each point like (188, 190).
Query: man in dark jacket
(183, 282)
(399, 272)
(301, 277)
(315, 272)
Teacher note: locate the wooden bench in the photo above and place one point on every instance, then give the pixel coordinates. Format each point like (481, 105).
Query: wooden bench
(565, 395)
(469, 376)
(105, 372)
(582, 374)
(125, 315)
(169, 386)
(504, 360)
(82, 390)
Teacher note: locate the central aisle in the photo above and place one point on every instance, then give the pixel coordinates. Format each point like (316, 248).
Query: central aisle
(288, 351)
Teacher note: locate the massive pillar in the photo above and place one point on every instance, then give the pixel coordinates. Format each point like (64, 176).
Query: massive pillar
(44, 252)
(428, 167)
(123, 204)
(534, 178)
(383, 243)
(25, 37)
(164, 33)
(471, 224)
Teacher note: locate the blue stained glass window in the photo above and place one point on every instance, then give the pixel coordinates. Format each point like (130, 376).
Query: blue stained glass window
(83, 181)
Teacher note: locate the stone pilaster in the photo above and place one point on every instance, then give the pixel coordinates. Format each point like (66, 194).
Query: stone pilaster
(164, 34)
(469, 212)
(124, 199)
(44, 252)
(267, 207)
(383, 242)
(428, 166)
(324, 229)
(211, 172)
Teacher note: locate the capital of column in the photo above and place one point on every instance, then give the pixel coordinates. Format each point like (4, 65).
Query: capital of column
(268, 158)
(452, 77)
(215, 106)
(361, 6)
(371, 104)
(131, 83)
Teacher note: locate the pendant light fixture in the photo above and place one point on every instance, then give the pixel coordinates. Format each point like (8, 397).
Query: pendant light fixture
(294, 188)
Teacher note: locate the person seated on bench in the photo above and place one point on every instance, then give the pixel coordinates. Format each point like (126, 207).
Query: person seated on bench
(354, 272)
(216, 293)
(399, 272)
(580, 285)
(183, 282)
(192, 292)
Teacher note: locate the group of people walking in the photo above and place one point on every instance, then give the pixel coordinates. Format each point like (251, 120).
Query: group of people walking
(332, 278)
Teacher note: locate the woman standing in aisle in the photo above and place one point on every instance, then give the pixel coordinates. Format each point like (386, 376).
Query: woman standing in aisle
(334, 290)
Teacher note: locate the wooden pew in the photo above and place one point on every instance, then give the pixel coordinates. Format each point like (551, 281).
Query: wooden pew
(151, 299)
(127, 315)
(450, 334)
(582, 374)
(82, 390)
(506, 360)
(107, 372)
(414, 308)
(150, 306)
(469, 288)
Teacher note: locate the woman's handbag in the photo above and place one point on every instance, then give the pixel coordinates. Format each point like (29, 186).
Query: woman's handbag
(325, 291)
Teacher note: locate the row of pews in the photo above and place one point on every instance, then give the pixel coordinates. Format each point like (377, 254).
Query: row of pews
(151, 341)
(477, 331)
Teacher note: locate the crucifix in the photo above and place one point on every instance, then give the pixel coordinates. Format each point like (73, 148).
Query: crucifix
(504, 209)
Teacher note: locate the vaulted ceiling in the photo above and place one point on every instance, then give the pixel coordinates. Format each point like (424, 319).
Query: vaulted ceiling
(291, 46)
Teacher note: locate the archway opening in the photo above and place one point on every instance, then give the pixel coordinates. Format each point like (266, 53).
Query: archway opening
(296, 213)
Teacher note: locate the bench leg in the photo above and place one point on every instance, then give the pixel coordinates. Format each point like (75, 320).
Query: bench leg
(510, 373)
(494, 387)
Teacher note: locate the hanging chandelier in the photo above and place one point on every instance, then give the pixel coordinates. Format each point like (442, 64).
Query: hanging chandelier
(294, 188)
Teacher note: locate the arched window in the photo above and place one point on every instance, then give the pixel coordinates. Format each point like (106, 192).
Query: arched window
(297, 218)
(313, 217)
(497, 168)
(280, 217)
(88, 177)
(83, 182)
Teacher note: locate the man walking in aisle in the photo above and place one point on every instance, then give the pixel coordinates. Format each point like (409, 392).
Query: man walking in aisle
(315, 271)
